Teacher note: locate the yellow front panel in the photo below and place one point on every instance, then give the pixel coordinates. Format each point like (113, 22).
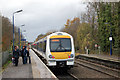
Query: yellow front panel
(61, 55)
(60, 36)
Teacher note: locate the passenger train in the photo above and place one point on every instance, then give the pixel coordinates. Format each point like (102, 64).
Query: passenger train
(57, 49)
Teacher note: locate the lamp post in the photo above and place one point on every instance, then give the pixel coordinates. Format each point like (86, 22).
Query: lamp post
(110, 39)
(13, 26)
(22, 37)
(19, 35)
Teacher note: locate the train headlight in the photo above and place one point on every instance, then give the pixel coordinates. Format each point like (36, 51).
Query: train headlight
(50, 56)
(71, 55)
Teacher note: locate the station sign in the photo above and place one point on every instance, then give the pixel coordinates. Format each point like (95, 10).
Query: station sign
(23, 39)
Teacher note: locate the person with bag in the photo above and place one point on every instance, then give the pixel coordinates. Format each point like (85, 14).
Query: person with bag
(16, 55)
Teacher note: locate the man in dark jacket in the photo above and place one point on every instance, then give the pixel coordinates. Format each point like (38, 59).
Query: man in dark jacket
(16, 55)
(23, 54)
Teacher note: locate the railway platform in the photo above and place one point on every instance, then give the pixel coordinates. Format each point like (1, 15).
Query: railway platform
(37, 69)
(106, 60)
(103, 57)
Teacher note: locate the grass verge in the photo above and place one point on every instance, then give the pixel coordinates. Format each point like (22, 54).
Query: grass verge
(5, 65)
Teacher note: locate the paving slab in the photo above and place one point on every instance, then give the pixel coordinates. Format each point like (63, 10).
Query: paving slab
(40, 70)
(21, 71)
(37, 69)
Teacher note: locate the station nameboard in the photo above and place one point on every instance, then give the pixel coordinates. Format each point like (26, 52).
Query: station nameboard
(23, 39)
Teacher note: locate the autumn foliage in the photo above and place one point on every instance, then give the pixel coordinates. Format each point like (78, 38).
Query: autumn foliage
(95, 27)
(7, 34)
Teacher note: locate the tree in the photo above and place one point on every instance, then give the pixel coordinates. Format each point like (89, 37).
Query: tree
(7, 34)
(84, 37)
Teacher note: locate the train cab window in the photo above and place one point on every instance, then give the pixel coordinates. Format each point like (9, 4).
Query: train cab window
(60, 45)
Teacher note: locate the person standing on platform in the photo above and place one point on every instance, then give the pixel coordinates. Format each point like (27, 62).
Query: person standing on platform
(23, 54)
(16, 55)
(18, 50)
(28, 56)
(29, 45)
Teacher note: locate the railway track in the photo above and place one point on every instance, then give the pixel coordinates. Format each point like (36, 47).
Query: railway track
(63, 74)
(115, 73)
(60, 73)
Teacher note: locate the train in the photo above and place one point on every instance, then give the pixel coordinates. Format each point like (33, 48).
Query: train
(57, 49)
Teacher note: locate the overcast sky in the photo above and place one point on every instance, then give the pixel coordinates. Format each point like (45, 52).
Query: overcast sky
(41, 16)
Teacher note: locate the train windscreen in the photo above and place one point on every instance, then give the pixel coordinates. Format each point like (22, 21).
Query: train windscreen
(60, 45)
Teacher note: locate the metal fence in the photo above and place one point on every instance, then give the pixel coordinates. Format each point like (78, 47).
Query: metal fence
(0, 61)
(5, 57)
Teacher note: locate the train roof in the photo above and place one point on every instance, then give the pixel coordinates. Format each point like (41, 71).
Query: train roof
(59, 33)
(53, 34)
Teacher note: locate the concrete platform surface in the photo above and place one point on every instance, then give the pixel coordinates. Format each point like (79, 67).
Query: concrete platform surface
(40, 70)
(21, 71)
(37, 69)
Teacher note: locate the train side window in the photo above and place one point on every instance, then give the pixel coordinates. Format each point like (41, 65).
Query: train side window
(44, 46)
(41, 49)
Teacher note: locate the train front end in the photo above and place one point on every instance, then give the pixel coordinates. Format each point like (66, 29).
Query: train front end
(61, 51)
